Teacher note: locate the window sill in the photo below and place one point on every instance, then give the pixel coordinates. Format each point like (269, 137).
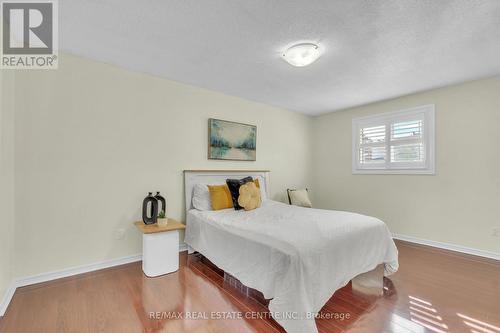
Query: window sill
(430, 172)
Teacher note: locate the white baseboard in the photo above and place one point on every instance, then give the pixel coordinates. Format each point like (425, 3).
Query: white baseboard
(183, 247)
(49, 276)
(7, 297)
(450, 247)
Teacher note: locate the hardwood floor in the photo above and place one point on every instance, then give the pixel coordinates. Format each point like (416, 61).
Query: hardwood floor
(434, 291)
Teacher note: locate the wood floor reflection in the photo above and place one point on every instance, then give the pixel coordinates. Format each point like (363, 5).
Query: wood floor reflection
(434, 291)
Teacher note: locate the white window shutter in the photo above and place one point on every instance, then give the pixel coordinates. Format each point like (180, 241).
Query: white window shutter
(396, 142)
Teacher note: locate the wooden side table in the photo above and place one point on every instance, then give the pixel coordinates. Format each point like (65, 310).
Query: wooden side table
(160, 247)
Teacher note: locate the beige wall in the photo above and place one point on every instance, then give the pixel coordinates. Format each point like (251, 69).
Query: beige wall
(93, 139)
(459, 205)
(6, 178)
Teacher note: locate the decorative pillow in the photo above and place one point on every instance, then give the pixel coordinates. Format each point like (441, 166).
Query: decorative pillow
(234, 188)
(299, 198)
(201, 197)
(220, 197)
(249, 196)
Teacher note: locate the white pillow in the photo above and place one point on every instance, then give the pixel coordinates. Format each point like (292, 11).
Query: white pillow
(262, 184)
(201, 197)
(299, 198)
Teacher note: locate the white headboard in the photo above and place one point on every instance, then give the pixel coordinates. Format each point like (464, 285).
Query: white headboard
(193, 177)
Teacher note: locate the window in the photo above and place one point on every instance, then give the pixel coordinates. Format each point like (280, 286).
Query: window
(397, 142)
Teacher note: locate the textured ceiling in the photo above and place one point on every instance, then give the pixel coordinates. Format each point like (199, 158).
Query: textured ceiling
(374, 49)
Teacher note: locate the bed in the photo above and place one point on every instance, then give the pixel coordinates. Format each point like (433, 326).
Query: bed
(297, 257)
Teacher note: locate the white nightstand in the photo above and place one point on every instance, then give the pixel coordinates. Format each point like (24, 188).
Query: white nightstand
(160, 247)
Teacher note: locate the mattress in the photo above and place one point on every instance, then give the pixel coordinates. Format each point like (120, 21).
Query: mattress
(298, 257)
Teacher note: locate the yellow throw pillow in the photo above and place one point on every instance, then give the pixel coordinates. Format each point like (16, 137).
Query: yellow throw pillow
(220, 197)
(249, 196)
(256, 181)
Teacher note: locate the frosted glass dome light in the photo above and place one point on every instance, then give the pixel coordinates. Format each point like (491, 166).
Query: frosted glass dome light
(303, 54)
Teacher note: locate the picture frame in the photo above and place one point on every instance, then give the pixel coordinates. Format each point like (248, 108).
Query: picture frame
(233, 141)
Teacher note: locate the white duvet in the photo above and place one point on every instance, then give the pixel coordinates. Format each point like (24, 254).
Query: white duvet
(297, 256)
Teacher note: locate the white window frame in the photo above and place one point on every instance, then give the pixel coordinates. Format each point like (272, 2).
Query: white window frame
(425, 112)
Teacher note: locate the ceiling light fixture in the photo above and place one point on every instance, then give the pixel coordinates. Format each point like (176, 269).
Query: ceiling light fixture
(302, 54)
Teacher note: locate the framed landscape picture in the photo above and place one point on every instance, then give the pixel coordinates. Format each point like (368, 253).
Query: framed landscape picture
(228, 140)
